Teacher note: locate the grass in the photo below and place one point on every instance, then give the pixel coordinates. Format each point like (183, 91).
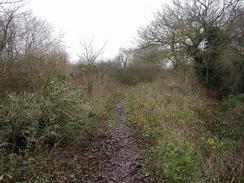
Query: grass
(190, 138)
(186, 136)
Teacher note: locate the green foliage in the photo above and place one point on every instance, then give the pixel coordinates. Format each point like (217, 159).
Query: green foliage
(168, 158)
(188, 139)
(218, 64)
(233, 100)
(207, 62)
(222, 122)
(41, 122)
(174, 162)
(211, 42)
(53, 116)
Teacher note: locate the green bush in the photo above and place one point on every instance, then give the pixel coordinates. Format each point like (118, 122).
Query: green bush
(36, 128)
(233, 100)
(172, 162)
(47, 118)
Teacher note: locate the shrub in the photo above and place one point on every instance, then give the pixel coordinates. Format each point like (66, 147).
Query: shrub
(30, 73)
(172, 161)
(135, 74)
(46, 118)
(233, 100)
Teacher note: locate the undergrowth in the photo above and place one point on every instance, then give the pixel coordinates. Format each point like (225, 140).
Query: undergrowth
(40, 132)
(187, 137)
(190, 138)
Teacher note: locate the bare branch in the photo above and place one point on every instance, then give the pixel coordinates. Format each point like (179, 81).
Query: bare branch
(89, 55)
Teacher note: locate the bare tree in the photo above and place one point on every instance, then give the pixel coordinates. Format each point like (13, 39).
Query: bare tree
(167, 33)
(35, 36)
(184, 23)
(199, 32)
(124, 56)
(89, 57)
(8, 12)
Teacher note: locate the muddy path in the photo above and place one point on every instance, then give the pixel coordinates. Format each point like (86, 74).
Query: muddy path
(115, 157)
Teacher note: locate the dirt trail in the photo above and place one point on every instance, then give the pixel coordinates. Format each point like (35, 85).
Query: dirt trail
(123, 162)
(120, 161)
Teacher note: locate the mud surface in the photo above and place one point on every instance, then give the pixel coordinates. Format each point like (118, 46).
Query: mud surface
(115, 157)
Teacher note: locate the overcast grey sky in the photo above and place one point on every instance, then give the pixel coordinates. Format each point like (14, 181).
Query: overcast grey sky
(115, 21)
